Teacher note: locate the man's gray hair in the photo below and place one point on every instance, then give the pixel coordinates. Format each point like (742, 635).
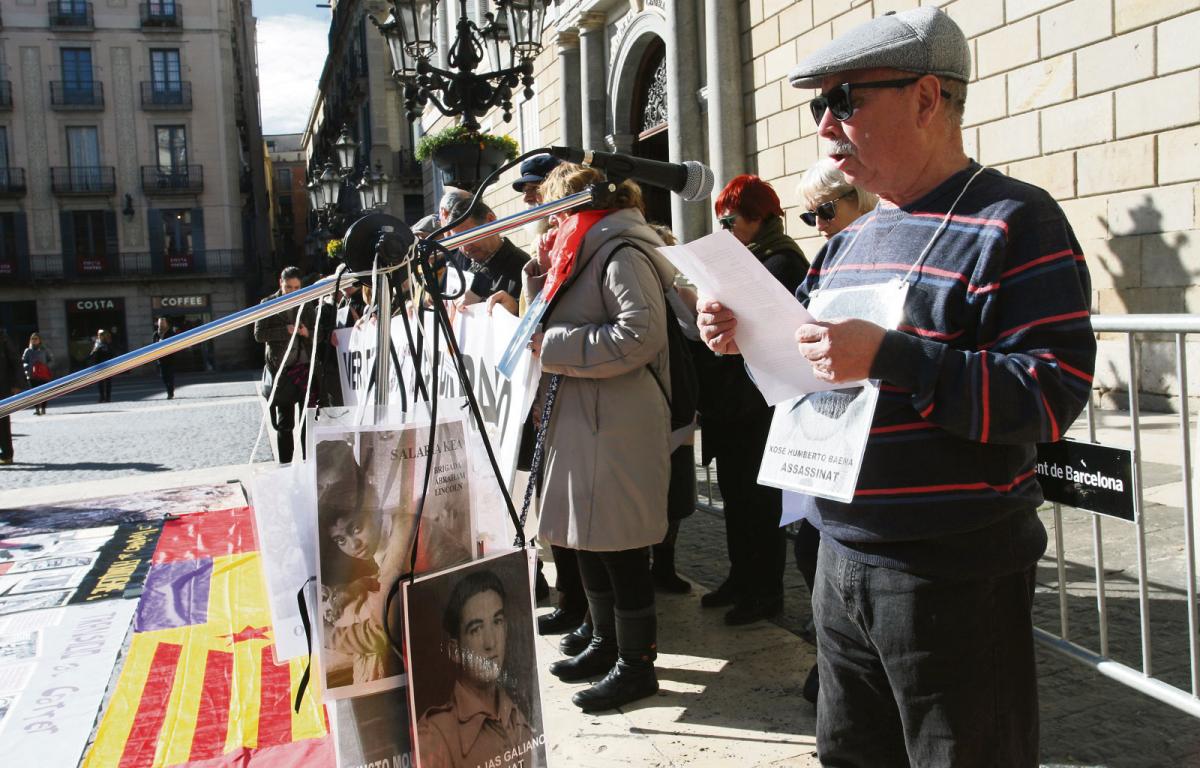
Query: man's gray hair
(956, 105)
(461, 206)
(450, 197)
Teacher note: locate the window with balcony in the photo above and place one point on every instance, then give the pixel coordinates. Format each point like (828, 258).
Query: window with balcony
(161, 14)
(171, 173)
(10, 258)
(90, 241)
(166, 87)
(71, 14)
(12, 180)
(176, 243)
(84, 172)
(78, 88)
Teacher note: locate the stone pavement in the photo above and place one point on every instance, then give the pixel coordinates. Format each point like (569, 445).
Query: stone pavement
(729, 696)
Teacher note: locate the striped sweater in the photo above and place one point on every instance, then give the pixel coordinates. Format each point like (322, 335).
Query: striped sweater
(995, 354)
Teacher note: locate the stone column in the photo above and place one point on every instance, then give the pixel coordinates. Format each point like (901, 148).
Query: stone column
(592, 81)
(685, 141)
(569, 108)
(726, 120)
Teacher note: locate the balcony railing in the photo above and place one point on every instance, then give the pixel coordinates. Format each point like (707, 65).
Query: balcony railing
(71, 15)
(66, 94)
(176, 95)
(12, 182)
(181, 180)
(121, 266)
(408, 169)
(83, 180)
(162, 16)
(5, 94)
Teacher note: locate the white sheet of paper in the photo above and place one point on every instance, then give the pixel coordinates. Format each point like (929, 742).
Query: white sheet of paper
(724, 270)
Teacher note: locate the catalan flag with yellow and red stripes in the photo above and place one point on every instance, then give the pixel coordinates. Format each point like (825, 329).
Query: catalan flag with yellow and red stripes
(200, 684)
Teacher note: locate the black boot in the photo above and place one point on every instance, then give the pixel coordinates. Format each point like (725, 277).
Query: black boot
(663, 571)
(600, 653)
(573, 643)
(632, 678)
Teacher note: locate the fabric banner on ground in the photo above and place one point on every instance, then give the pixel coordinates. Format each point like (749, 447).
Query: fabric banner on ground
(112, 510)
(54, 668)
(201, 684)
(53, 569)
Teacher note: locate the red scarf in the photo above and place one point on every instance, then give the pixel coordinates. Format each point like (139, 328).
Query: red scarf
(567, 243)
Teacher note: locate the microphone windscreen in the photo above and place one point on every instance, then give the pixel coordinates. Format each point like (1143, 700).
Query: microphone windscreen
(700, 181)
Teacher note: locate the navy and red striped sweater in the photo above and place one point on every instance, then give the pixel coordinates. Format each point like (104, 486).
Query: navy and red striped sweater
(995, 354)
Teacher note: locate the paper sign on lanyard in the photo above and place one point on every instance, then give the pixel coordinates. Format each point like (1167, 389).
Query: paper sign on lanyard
(817, 440)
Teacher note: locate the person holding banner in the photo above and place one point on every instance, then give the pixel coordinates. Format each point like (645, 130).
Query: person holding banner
(606, 442)
(496, 263)
(925, 579)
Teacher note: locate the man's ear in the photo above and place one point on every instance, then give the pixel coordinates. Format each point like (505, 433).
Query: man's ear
(929, 97)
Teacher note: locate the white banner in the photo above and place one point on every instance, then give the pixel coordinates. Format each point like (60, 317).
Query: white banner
(503, 402)
(54, 668)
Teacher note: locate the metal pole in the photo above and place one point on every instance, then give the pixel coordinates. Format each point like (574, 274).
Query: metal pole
(383, 352)
(1063, 624)
(1139, 506)
(1098, 547)
(1189, 533)
(249, 315)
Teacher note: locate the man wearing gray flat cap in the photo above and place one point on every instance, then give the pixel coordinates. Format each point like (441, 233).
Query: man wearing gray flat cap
(925, 580)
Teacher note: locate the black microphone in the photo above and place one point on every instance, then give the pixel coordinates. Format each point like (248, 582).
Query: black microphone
(689, 179)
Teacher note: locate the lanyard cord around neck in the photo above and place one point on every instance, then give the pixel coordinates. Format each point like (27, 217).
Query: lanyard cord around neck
(841, 258)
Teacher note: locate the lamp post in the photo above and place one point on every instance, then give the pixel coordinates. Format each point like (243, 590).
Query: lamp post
(324, 189)
(514, 29)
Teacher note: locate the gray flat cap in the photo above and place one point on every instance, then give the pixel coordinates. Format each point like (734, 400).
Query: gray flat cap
(923, 40)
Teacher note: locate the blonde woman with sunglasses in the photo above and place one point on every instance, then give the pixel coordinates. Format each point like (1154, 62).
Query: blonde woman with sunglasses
(832, 201)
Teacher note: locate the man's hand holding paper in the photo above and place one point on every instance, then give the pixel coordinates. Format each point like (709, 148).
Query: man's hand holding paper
(840, 350)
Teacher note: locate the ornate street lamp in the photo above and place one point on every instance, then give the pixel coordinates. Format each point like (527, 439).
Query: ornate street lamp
(329, 184)
(373, 189)
(347, 150)
(460, 90)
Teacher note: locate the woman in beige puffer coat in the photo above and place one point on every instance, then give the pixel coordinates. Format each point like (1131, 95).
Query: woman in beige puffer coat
(607, 456)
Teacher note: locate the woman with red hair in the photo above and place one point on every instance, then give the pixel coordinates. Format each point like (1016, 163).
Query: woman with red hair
(735, 420)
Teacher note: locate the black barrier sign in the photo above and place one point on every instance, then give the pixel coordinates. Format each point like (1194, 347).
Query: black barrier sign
(1096, 478)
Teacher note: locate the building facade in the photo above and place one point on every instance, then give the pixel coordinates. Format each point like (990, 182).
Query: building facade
(1097, 101)
(132, 170)
(287, 167)
(357, 92)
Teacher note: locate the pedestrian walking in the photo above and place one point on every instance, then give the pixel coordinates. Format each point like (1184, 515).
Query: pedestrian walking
(102, 352)
(37, 360)
(285, 375)
(166, 365)
(924, 581)
(11, 377)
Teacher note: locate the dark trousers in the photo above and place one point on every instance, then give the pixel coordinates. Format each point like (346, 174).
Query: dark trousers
(569, 584)
(920, 671)
(806, 546)
(625, 573)
(168, 378)
(283, 418)
(104, 390)
(757, 545)
(6, 446)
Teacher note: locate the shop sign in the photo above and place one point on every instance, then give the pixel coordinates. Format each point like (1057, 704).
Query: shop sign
(93, 305)
(185, 303)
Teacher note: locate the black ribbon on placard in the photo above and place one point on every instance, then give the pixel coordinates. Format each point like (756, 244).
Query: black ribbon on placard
(300, 689)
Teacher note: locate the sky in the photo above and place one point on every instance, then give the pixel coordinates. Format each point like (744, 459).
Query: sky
(291, 52)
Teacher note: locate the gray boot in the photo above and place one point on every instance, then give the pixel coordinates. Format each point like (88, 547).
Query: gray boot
(601, 652)
(632, 677)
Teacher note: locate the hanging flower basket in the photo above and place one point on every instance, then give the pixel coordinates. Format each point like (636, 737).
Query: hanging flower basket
(465, 158)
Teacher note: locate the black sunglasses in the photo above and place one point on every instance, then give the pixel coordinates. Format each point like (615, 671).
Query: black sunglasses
(838, 98)
(726, 222)
(826, 210)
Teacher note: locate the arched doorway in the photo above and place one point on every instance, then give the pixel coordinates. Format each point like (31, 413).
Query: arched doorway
(648, 124)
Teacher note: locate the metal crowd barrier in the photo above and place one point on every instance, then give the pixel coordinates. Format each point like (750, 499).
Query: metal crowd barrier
(1140, 679)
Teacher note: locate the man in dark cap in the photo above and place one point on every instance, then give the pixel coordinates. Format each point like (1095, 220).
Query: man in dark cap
(533, 173)
(925, 580)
